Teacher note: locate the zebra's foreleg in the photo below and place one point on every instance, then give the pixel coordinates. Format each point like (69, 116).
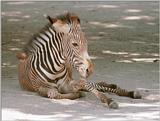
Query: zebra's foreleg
(48, 92)
(117, 90)
(54, 94)
(71, 95)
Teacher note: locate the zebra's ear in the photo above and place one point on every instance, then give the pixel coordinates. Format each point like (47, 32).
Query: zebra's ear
(61, 26)
(75, 18)
(58, 24)
(51, 20)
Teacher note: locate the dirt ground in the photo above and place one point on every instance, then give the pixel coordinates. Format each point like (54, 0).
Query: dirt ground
(123, 40)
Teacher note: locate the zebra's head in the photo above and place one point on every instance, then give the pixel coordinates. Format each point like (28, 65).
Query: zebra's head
(74, 43)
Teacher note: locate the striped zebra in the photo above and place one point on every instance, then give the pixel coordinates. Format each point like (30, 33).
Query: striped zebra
(45, 65)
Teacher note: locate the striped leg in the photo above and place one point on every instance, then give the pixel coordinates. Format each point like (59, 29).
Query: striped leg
(119, 91)
(85, 86)
(54, 94)
(104, 84)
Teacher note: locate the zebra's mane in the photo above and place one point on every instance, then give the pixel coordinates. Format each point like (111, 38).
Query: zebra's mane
(67, 17)
(28, 46)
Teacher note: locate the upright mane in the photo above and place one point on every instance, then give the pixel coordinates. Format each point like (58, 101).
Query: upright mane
(68, 17)
(28, 47)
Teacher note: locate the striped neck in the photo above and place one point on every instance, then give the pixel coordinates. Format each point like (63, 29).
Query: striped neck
(46, 49)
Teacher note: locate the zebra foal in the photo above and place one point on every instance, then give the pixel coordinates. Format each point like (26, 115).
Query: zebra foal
(45, 65)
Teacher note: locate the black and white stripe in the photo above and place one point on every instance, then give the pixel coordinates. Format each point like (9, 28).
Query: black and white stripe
(45, 60)
(89, 86)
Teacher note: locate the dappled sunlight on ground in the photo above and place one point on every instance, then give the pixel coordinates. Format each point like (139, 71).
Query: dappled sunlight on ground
(11, 13)
(11, 114)
(95, 37)
(139, 42)
(142, 17)
(12, 49)
(108, 25)
(129, 57)
(114, 53)
(96, 6)
(144, 43)
(135, 116)
(145, 59)
(133, 10)
(26, 16)
(107, 6)
(65, 102)
(19, 3)
(150, 23)
(95, 57)
(128, 53)
(71, 114)
(14, 20)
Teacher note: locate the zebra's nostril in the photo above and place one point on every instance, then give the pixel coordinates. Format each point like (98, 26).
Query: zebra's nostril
(87, 70)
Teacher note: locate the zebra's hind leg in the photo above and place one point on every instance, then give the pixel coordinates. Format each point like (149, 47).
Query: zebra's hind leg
(85, 86)
(131, 94)
(102, 83)
(119, 91)
(54, 94)
(105, 100)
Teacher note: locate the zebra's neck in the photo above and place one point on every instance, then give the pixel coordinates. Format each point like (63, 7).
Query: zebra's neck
(46, 49)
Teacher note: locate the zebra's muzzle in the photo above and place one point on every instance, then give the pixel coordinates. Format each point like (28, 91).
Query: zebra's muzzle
(86, 70)
(89, 69)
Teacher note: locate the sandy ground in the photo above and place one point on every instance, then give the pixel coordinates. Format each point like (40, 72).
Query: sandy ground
(123, 44)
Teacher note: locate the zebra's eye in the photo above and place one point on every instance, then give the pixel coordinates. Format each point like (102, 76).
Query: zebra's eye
(75, 44)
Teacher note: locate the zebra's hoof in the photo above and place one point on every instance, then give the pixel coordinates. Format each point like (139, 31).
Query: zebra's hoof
(137, 95)
(113, 105)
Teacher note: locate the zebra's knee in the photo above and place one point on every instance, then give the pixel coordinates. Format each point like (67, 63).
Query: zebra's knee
(77, 85)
